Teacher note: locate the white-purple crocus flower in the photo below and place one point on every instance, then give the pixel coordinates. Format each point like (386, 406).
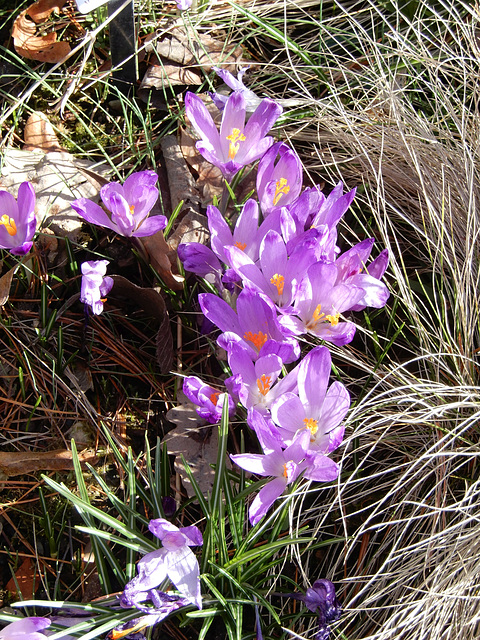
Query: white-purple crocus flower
(175, 560)
(316, 409)
(251, 99)
(279, 177)
(128, 204)
(17, 220)
(95, 284)
(183, 5)
(236, 144)
(25, 629)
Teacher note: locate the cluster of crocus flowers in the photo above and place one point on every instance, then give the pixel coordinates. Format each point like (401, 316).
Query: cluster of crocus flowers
(280, 276)
(17, 220)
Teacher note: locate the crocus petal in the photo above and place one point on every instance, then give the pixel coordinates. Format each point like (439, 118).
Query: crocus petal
(265, 498)
(92, 212)
(322, 469)
(313, 377)
(219, 312)
(25, 627)
(202, 121)
(183, 571)
(150, 226)
(377, 267)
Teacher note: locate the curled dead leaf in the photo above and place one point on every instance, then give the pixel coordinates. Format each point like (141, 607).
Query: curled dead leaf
(163, 260)
(39, 133)
(5, 284)
(153, 304)
(40, 48)
(26, 581)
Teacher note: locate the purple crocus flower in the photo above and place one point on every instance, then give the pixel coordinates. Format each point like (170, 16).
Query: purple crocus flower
(285, 465)
(95, 284)
(258, 383)
(17, 220)
(315, 409)
(209, 401)
(312, 209)
(352, 271)
(321, 599)
(276, 273)
(129, 205)
(251, 99)
(236, 144)
(175, 560)
(201, 260)
(25, 628)
(183, 5)
(279, 177)
(165, 605)
(318, 302)
(255, 326)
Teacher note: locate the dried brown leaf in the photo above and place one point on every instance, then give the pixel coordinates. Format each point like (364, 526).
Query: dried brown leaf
(41, 48)
(197, 442)
(169, 74)
(198, 49)
(152, 303)
(42, 9)
(5, 284)
(39, 134)
(180, 180)
(25, 583)
(163, 260)
(20, 463)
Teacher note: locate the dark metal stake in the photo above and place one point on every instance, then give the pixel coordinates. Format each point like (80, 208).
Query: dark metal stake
(122, 46)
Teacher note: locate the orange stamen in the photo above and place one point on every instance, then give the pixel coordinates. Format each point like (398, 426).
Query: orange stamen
(241, 245)
(311, 424)
(257, 339)
(10, 225)
(264, 383)
(278, 281)
(235, 138)
(214, 397)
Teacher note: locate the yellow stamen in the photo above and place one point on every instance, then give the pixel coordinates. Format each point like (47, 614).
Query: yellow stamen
(214, 397)
(235, 138)
(132, 208)
(241, 245)
(264, 383)
(257, 339)
(278, 281)
(10, 225)
(311, 424)
(333, 319)
(281, 188)
(318, 316)
(116, 635)
(285, 472)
